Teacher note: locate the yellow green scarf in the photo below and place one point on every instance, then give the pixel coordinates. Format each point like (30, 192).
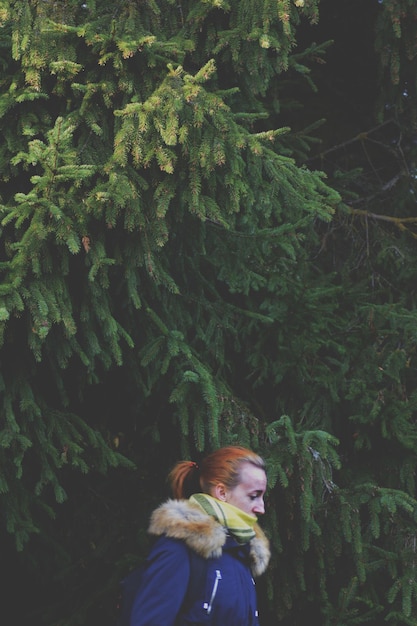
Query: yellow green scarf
(239, 523)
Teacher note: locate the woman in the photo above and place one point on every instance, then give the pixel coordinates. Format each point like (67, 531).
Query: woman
(209, 546)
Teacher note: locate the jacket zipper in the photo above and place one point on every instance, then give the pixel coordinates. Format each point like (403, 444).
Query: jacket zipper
(209, 605)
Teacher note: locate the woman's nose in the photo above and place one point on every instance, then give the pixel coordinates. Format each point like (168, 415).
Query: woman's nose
(259, 507)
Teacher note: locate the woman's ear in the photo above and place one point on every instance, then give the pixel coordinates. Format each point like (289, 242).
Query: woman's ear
(220, 492)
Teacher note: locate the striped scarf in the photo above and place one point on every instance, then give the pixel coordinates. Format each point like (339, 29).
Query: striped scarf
(239, 523)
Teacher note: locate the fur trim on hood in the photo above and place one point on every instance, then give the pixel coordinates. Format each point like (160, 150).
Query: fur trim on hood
(180, 519)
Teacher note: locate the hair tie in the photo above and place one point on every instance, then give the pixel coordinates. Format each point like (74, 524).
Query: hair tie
(194, 464)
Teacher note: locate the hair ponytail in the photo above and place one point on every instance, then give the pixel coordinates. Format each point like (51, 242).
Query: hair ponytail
(184, 479)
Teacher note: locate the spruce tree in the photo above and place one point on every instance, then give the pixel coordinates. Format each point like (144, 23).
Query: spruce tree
(190, 259)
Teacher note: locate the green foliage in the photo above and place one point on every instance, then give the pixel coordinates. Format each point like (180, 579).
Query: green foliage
(191, 256)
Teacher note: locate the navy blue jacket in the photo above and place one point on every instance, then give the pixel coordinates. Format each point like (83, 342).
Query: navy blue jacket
(222, 592)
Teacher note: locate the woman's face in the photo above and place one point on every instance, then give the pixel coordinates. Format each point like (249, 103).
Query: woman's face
(248, 495)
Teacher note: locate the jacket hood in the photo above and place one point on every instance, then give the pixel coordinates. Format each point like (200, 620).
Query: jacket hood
(180, 519)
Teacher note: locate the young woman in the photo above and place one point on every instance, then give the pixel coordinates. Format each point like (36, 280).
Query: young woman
(209, 547)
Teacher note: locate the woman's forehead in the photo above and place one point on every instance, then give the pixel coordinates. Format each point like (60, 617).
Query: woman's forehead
(252, 477)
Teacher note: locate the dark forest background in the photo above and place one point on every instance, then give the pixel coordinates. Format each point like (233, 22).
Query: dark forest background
(208, 236)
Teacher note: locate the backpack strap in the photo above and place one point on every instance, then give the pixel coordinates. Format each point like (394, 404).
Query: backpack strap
(198, 572)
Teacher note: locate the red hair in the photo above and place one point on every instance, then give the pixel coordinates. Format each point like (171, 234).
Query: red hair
(221, 466)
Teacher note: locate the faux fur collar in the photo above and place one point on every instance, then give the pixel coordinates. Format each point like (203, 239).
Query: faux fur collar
(180, 519)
